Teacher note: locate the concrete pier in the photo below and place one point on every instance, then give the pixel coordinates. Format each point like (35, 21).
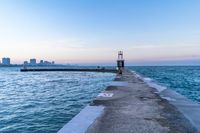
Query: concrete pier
(132, 106)
(68, 70)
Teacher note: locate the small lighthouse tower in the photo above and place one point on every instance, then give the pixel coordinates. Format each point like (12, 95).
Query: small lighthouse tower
(120, 61)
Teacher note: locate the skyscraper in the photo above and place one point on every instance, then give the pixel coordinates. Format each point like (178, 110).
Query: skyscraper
(33, 62)
(41, 62)
(6, 61)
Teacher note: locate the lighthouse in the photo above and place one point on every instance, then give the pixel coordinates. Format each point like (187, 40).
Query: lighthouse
(120, 61)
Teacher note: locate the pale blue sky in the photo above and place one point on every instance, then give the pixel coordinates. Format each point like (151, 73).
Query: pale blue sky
(92, 31)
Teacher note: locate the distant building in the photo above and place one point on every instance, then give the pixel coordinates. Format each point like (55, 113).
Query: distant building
(41, 62)
(33, 62)
(47, 63)
(26, 63)
(5, 61)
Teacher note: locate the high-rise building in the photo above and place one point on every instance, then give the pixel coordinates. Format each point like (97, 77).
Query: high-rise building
(47, 63)
(25, 62)
(33, 62)
(41, 62)
(6, 61)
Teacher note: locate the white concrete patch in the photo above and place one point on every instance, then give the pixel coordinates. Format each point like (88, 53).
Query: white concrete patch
(137, 75)
(81, 122)
(159, 88)
(168, 98)
(118, 83)
(118, 76)
(105, 95)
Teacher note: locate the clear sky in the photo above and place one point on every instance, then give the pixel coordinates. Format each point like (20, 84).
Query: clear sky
(149, 32)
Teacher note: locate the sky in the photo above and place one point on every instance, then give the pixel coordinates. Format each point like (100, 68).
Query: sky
(91, 32)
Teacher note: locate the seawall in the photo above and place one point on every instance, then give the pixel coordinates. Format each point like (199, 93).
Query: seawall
(67, 70)
(129, 105)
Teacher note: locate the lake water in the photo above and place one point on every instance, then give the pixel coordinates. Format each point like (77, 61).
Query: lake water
(42, 102)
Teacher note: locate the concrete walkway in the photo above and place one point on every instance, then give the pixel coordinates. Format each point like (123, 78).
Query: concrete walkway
(131, 106)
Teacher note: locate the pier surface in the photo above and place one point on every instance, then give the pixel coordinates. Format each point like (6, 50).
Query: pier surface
(131, 106)
(68, 69)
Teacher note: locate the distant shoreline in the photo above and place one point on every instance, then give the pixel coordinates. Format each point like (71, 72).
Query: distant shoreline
(11, 65)
(20, 65)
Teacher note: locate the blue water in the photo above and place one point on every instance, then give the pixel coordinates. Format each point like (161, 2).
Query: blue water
(42, 102)
(183, 79)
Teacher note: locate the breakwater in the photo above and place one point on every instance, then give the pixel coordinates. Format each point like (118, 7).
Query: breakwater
(67, 70)
(129, 105)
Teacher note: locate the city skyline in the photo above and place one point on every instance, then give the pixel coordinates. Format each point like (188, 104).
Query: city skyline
(6, 61)
(93, 31)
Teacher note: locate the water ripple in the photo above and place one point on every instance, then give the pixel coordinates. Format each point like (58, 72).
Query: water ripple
(44, 102)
